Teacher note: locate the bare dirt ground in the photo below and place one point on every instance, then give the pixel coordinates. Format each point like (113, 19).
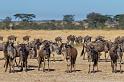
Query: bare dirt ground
(57, 73)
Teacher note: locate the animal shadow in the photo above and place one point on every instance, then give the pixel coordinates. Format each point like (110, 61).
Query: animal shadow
(118, 71)
(95, 71)
(50, 70)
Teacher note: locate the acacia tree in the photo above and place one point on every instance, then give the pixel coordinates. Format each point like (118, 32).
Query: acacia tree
(25, 17)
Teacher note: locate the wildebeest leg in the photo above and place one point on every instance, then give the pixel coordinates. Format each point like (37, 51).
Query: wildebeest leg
(67, 66)
(120, 59)
(44, 65)
(39, 62)
(6, 64)
(120, 67)
(105, 57)
(21, 66)
(48, 64)
(89, 65)
(9, 66)
(25, 66)
(74, 67)
(112, 65)
(63, 56)
(97, 68)
(53, 57)
(93, 69)
(115, 67)
(16, 62)
(13, 65)
(19, 61)
(71, 68)
(84, 55)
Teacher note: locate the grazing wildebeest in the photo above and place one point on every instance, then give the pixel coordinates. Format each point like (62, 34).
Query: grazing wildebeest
(10, 56)
(116, 54)
(71, 55)
(58, 39)
(23, 56)
(44, 53)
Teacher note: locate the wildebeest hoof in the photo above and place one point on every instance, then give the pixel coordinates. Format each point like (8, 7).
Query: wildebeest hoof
(43, 70)
(89, 72)
(10, 72)
(26, 70)
(21, 69)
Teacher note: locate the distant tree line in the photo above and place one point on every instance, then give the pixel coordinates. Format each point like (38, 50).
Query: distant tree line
(93, 21)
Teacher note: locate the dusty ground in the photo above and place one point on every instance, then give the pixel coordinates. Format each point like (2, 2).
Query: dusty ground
(57, 73)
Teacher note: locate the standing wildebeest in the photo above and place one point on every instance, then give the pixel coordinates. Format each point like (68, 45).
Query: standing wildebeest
(44, 53)
(87, 39)
(100, 46)
(23, 55)
(79, 39)
(10, 56)
(34, 47)
(116, 53)
(58, 39)
(26, 39)
(71, 39)
(71, 55)
(92, 56)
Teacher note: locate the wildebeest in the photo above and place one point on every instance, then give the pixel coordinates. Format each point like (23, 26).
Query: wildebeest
(44, 53)
(101, 38)
(116, 54)
(26, 39)
(99, 45)
(86, 39)
(23, 56)
(93, 56)
(71, 55)
(71, 39)
(79, 39)
(9, 55)
(58, 39)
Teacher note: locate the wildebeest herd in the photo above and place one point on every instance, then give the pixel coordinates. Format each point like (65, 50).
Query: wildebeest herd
(42, 50)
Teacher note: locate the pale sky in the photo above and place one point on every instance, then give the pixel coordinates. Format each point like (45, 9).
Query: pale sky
(55, 9)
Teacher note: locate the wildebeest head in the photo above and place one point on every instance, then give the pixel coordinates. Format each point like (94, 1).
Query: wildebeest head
(47, 48)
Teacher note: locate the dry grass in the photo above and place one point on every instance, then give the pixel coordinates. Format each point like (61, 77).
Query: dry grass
(51, 34)
(59, 74)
